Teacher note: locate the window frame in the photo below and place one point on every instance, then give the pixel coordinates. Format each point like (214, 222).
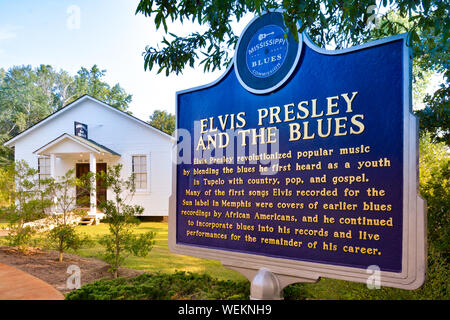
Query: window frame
(47, 166)
(147, 172)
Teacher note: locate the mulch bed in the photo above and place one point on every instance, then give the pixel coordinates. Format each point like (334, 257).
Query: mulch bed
(45, 265)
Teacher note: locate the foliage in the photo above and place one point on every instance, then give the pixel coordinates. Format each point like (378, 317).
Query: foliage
(6, 184)
(160, 259)
(194, 286)
(435, 188)
(90, 82)
(330, 23)
(163, 121)
(160, 286)
(29, 199)
(296, 291)
(431, 56)
(436, 286)
(122, 220)
(435, 118)
(63, 235)
(338, 22)
(27, 95)
(22, 103)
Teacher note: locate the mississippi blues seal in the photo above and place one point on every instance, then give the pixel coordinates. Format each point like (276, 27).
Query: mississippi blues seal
(266, 55)
(266, 51)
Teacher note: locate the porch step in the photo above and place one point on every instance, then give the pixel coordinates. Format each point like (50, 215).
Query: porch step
(87, 221)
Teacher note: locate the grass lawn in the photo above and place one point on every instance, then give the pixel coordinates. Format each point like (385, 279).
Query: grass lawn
(3, 224)
(160, 258)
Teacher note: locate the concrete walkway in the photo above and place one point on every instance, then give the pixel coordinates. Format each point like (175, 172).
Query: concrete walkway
(18, 285)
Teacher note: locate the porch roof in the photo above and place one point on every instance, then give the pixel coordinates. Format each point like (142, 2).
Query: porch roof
(68, 140)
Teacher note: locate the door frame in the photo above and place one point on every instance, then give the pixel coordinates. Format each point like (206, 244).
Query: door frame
(100, 192)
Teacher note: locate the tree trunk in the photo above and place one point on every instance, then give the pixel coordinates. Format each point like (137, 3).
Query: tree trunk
(116, 267)
(61, 250)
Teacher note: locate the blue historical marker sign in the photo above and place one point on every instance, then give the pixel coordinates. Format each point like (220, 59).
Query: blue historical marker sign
(302, 159)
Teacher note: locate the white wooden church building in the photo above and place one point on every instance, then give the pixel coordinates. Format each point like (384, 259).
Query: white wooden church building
(90, 135)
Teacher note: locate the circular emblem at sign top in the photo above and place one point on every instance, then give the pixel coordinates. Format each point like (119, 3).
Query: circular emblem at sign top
(266, 51)
(265, 56)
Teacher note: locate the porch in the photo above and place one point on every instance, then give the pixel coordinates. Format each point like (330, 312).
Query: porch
(83, 156)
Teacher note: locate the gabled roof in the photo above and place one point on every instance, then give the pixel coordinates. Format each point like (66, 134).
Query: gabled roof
(87, 143)
(74, 104)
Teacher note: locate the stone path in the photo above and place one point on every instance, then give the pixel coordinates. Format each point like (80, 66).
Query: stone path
(18, 285)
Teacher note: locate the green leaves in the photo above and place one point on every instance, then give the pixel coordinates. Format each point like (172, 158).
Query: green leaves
(64, 237)
(338, 24)
(431, 54)
(341, 23)
(163, 121)
(435, 117)
(140, 245)
(435, 188)
(28, 200)
(160, 18)
(180, 52)
(175, 55)
(122, 218)
(27, 95)
(160, 286)
(90, 82)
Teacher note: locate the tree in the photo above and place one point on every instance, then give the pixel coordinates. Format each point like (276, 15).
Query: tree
(431, 56)
(340, 23)
(22, 103)
(63, 235)
(122, 219)
(163, 121)
(6, 184)
(435, 118)
(27, 95)
(434, 179)
(90, 82)
(29, 197)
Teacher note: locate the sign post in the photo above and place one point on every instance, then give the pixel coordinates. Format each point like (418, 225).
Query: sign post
(300, 163)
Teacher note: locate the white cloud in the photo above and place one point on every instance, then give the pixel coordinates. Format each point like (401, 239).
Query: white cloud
(9, 32)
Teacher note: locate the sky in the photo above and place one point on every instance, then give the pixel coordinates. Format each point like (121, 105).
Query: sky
(70, 34)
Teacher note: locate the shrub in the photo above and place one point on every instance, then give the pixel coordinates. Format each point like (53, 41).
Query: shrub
(28, 201)
(121, 240)
(63, 235)
(160, 286)
(296, 291)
